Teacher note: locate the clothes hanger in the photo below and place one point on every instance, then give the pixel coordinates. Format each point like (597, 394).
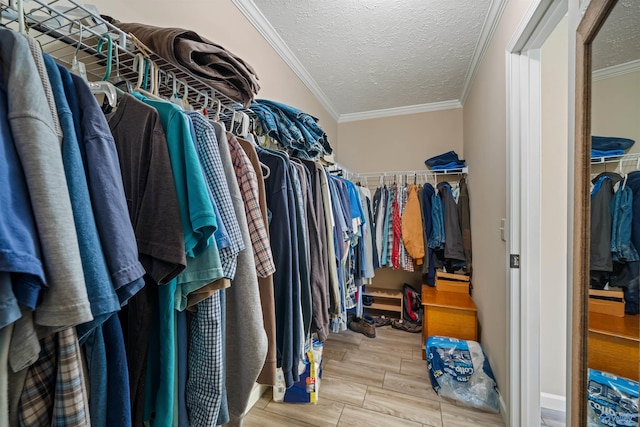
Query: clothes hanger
(141, 65)
(78, 67)
(118, 81)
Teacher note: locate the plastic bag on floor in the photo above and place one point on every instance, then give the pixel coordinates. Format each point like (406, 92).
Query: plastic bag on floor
(613, 401)
(459, 370)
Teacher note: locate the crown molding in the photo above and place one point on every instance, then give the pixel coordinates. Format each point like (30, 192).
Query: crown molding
(488, 28)
(616, 70)
(260, 23)
(399, 111)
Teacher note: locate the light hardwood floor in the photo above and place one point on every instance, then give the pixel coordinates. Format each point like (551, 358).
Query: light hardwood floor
(381, 381)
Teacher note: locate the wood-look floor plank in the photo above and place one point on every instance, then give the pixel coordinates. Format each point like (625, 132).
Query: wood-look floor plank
(354, 372)
(416, 368)
(385, 347)
(412, 408)
(260, 418)
(387, 360)
(348, 337)
(417, 354)
(334, 353)
(323, 414)
(344, 391)
(264, 399)
(410, 385)
(358, 417)
(456, 416)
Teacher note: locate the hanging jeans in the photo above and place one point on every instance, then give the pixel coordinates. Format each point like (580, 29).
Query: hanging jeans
(631, 291)
(437, 237)
(621, 247)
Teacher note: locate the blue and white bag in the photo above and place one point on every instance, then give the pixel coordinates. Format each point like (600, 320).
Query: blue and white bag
(459, 370)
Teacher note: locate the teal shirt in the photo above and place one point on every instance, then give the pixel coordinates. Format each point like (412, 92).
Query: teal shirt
(198, 224)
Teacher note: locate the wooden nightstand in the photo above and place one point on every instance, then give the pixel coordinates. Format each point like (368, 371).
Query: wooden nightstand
(449, 314)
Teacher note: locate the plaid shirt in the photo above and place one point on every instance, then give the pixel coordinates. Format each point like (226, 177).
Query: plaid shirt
(209, 155)
(205, 382)
(248, 182)
(54, 392)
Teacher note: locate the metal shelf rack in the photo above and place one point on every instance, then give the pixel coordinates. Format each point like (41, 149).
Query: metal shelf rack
(67, 28)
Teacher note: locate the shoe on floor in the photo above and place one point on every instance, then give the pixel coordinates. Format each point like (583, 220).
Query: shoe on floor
(381, 321)
(365, 328)
(406, 326)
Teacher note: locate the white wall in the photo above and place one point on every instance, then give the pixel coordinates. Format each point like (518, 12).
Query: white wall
(553, 286)
(401, 142)
(615, 107)
(485, 131)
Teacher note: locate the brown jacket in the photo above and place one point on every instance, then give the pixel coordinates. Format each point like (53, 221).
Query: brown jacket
(412, 233)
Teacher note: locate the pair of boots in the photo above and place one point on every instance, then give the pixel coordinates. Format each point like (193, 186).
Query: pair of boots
(364, 325)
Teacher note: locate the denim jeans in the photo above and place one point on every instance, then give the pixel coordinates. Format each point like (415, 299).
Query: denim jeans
(621, 247)
(631, 291)
(437, 238)
(292, 128)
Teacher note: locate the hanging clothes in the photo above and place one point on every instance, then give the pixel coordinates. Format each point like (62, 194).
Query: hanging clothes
(264, 263)
(453, 246)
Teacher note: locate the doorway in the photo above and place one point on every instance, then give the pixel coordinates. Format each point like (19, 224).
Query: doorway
(532, 231)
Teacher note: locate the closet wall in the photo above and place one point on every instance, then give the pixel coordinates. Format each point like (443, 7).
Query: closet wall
(553, 278)
(401, 142)
(485, 131)
(618, 99)
(223, 23)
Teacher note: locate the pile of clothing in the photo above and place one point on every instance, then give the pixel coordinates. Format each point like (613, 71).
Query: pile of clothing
(224, 71)
(448, 160)
(296, 131)
(609, 146)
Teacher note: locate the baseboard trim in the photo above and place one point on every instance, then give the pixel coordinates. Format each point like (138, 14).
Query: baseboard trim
(503, 409)
(256, 393)
(553, 401)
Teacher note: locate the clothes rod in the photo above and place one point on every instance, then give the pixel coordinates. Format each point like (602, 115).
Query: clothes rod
(456, 171)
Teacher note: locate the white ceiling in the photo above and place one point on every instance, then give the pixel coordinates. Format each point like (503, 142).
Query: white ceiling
(375, 58)
(618, 41)
(364, 55)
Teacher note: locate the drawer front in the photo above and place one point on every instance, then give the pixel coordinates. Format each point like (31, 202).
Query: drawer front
(461, 324)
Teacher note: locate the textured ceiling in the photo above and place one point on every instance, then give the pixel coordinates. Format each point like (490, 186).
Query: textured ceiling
(377, 54)
(618, 41)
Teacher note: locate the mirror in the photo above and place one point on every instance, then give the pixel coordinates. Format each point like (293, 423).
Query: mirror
(606, 323)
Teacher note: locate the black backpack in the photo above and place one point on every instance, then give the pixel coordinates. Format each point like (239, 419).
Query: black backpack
(412, 305)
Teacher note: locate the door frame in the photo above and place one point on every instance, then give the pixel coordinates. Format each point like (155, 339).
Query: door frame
(524, 206)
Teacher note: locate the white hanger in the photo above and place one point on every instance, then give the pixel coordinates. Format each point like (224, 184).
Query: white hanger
(78, 67)
(107, 89)
(244, 124)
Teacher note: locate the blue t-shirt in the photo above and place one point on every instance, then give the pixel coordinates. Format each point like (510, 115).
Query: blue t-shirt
(19, 242)
(102, 296)
(102, 168)
(198, 224)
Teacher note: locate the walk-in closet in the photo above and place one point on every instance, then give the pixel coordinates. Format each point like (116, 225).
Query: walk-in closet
(290, 213)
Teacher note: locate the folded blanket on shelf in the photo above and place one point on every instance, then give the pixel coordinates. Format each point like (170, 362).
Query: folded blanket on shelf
(448, 160)
(224, 71)
(606, 153)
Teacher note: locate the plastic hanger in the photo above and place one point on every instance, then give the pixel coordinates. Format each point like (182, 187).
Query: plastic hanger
(140, 64)
(78, 67)
(109, 53)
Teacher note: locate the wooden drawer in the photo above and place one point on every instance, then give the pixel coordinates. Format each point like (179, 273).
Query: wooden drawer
(614, 344)
(452, 286)
(449, 314)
